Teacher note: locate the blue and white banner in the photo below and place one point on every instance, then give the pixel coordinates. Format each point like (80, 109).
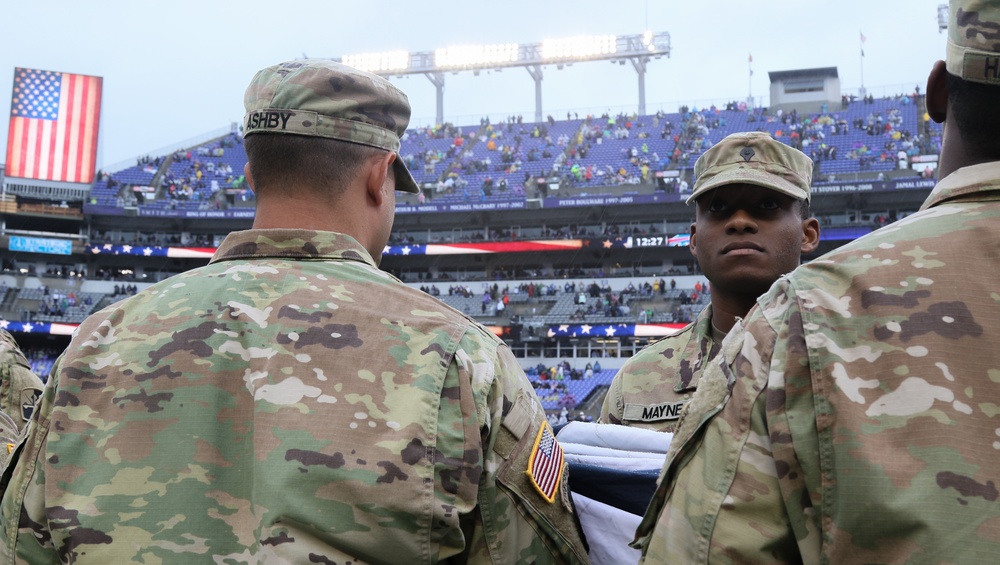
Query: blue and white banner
(40, 245)
(613, 330)
(38, 327)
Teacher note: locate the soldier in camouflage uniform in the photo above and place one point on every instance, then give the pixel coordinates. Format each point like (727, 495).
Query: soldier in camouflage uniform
(290, 402)
(752, 225)
(19, 388)
(855, 415)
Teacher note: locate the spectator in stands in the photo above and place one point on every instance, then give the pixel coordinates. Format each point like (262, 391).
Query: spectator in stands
(683, 297)
(853, 419)
(752, 224)
(567, 400)
(279, 334)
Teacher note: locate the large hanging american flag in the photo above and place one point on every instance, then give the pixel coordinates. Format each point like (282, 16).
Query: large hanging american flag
(54, 120)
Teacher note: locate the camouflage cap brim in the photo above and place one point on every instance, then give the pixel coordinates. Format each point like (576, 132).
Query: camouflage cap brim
(298, 122)
(313, 124)
(323, 98)
(773, 178)
(972, 64)
(755, 158)
(404, 180)
(973, 51)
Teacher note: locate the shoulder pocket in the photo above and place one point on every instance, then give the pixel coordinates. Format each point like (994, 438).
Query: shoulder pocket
(535, 474)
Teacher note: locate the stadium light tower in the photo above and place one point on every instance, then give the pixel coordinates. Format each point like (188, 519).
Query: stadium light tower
(637, 49)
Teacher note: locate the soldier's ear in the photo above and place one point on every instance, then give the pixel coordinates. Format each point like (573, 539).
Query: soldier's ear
(377, 174)
(692, 245)
(249, 177)
(937, 92)
(810, 235)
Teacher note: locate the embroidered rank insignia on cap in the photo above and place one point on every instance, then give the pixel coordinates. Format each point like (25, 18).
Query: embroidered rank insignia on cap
(545, 465)
(747, 153)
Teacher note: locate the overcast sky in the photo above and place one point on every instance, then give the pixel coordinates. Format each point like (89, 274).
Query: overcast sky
(176, 70)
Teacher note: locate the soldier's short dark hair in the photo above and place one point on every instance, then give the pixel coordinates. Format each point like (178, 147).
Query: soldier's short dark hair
(973, 106)
(804, 210)
(297, 160)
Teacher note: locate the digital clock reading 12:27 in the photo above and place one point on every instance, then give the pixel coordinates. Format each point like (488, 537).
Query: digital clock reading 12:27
(651, 241)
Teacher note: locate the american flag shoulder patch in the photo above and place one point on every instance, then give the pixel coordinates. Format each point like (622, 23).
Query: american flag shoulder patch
(545, 465)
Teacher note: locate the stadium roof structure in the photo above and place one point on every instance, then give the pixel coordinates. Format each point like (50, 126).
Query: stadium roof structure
(803, 73)
(636, 49)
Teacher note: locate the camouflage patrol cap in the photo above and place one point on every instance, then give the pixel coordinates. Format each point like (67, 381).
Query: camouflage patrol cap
(322, 98)
(974, 40)
(753, 158)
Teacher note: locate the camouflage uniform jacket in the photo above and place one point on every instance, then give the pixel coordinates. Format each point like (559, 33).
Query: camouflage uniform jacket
(855, 416)
(19, 388)
(652, 387)
(287, 403)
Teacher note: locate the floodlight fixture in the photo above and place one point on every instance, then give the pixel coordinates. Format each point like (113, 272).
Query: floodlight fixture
(388, 62)
(475, 56)
(579, 48)
(498, 56)
(637, 49)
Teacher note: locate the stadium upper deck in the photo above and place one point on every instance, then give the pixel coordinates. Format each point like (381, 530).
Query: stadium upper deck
(503, 166)
(569, 201)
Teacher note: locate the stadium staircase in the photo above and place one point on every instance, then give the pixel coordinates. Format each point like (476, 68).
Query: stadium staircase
(591, 406)
(7, 302)
(157, 181)
(574, 140)
(455, 164)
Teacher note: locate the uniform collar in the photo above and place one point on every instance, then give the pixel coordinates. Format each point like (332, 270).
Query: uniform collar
(291, 244)
(703, 323)
(984, 177)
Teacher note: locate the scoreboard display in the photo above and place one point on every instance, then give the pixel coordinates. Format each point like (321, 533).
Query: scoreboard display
(646, 241)
(636, 242)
